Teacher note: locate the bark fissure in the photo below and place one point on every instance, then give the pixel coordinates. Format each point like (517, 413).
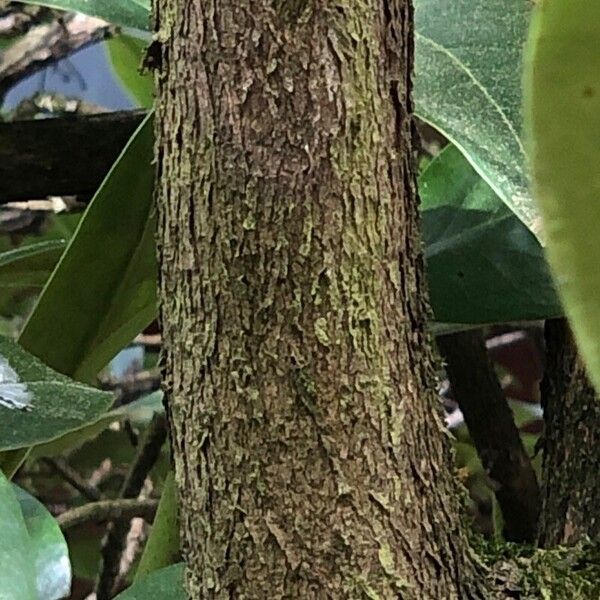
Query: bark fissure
(310, 454)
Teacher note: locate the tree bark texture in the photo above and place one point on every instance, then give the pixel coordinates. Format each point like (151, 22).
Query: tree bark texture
(571, 486)
(310, 456)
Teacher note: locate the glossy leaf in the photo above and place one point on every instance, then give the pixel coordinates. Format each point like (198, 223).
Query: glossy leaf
(164, 584)
(468, 85)
(483, 264)
(17, 574)
(126, 54)
(103, 291)
(49, 551)
(130, 13)
(56, 404)
(562, 112)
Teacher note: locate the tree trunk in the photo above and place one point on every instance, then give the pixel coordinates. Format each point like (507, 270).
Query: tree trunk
(310, 456)
(571, 486)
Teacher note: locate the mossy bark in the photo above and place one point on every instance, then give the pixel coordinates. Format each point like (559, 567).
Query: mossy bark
(310, 456)
(571, 486)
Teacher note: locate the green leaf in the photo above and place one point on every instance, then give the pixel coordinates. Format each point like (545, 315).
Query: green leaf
(139, 411)
(562, 113)
(103, 290)
(30, 265)
(126, 53)
(49, 551)
(164, 584)
(17, 575)
(483, 264)
(25, 270)
(162, 547)
(130, 13)
(56, 404)
(468, 85)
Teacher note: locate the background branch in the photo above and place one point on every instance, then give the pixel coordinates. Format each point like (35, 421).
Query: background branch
(491, 424)
(114, 541)
(104, 510)
(34, 164)
(46, 44)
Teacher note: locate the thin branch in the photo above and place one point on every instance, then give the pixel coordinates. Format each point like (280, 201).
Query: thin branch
(71, 476)
(131, 387)
(114, 541)
(491, 425)
(105, 510)
(17, 19)
(34, 165)
(149, 340)
(48, 43)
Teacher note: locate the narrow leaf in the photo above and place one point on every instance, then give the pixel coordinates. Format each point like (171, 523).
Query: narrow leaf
(126, 53)
(162, 547)
(164, 584)
(103, 291)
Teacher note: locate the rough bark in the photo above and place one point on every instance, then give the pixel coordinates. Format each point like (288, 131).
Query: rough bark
(571, 486)
(310, 456)
(487, 414)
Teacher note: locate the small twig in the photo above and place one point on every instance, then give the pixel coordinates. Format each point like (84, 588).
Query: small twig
(46, 44)
(54, 204)
(72, 477)
(105, 510)
(152, 340)
(114, 541)
(131, 387)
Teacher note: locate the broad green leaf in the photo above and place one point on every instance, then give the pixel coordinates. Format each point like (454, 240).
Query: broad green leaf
(164, 584)
(126, 53)
(562, 113)
(49, 551)
(138, 412)
(468, 85)
(483, 264)
(130, 13)
(17, 574)
(56, 404)
(103, 290)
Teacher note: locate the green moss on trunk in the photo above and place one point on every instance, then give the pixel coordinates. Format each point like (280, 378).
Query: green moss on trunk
(310, 454)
